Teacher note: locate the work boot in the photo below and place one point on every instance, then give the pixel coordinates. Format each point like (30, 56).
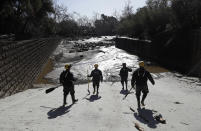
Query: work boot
(122, 87)
(142, 102)
(64, 104)
(94, 90)
(75, 100)
(143, 98)
(138, 103)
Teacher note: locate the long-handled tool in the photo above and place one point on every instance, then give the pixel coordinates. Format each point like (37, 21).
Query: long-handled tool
(88, 82)
(51, 89)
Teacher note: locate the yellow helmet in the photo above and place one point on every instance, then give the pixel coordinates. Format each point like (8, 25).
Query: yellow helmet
(123, 64)
(67, 66)
(96, 65)
(141, 63)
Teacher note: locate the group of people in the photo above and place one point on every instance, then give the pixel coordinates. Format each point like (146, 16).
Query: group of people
(139, 78)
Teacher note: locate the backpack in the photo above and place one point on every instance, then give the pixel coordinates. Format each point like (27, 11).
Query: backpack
(96, 75)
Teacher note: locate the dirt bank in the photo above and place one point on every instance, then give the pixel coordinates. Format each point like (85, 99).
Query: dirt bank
(155, 69)
(46, 69)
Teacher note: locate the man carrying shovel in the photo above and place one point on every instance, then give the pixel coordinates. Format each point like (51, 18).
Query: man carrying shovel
(96, 75)
(66, 79)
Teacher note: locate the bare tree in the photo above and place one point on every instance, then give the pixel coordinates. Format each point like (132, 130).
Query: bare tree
(116, 14)
(128, 9)
(83, 21)
(61, 13)
(95, 17)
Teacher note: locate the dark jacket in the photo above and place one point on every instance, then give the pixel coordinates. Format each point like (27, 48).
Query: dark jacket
(66, 78)
(124, 72)
(96, 75)
(140, 77)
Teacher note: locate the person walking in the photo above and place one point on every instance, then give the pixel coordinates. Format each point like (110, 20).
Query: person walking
(140, 77)
(97, 76)
(124, 75)
(66, 79)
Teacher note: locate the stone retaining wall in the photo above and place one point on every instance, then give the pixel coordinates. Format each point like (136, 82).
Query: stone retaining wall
(21, 62)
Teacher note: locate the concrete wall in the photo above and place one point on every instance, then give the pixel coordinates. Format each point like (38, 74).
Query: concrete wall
(21, 62)
(196, 52)
(139, 47)
(181, 54)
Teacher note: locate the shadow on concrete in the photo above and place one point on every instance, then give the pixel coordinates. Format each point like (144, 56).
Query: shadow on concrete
(53, 113)
(93, 98)
(146, 116)
(126, 92)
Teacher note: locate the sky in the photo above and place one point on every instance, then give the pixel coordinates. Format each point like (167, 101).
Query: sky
(90, 7)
